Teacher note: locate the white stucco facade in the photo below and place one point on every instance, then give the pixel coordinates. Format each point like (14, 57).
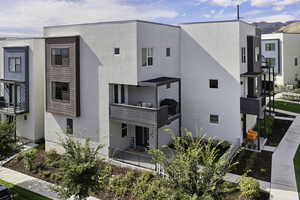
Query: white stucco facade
(285, 53)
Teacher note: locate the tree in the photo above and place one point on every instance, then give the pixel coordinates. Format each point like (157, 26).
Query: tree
(81, 170)
(8, 143)
(197, 169)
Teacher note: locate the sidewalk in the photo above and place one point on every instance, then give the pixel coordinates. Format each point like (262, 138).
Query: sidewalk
(29, 183)
(283, 181)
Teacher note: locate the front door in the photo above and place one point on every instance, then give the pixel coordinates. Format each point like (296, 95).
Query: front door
(142, 136)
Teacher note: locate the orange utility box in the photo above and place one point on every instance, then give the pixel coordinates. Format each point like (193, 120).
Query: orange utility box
(252, 135)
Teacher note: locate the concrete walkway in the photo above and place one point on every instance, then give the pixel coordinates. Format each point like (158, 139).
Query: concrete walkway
(30, 183)
(283, 180)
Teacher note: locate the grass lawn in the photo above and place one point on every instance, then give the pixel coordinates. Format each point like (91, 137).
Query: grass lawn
(22, 194)
(297, 168)
(291, 107)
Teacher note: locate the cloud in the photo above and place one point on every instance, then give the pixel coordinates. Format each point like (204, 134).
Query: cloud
(31, 15)
(222, 3)
(274, 18)
(277, 5)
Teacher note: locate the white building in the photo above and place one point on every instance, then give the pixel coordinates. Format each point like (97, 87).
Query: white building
(22, 69)
(282, 51)
(121, 83)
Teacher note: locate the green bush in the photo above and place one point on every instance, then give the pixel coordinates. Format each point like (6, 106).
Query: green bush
(53, 159)
(8, 144)
(121, 185)
(249, 188)
(28, 157)
(150, 187)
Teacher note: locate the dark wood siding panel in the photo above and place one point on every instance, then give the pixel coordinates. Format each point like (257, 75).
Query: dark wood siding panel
(69, 74)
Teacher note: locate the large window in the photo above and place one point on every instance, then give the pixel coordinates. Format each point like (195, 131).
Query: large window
(270, 46)
(14, 64)
(243, 55)
(60, 56)
(147, 57)
(271, 61)
(61, 91)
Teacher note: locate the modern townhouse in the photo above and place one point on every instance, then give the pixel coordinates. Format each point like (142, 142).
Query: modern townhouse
(21, 86)
(116, 83)
(124, 84)
(221, 74)
(282, 51)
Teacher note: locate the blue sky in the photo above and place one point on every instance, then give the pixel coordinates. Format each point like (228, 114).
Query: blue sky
(27, 17)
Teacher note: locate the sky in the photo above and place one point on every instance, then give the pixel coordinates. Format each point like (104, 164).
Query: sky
(28, 17)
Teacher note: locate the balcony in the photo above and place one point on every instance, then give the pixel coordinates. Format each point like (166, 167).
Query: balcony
(252, 105)
(13, 97)
(142, 116)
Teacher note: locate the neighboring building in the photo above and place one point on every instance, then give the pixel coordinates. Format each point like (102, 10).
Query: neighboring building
(121, 83)
(22, 69)
(282, 51)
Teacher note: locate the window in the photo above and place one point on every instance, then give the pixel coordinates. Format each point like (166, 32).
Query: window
(257, 54)
(168, 52)
(116, 94)
(214, 119)
(61, 91)
(122, 94)
(243, 55)
(69, 126)
(271, 61)
(14, 64)
(296, 62)
(116, 51)
(124, 130)
(270, 46)
(213, 83)
(147, 56)
(60, 56)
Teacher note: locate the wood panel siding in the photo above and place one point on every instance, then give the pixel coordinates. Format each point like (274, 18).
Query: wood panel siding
(67, 74)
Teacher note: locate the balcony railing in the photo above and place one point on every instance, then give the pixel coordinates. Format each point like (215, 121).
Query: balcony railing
(252, 105)
(142, 116)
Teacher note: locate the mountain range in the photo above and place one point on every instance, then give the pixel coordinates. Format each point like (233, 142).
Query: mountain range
(277, 27)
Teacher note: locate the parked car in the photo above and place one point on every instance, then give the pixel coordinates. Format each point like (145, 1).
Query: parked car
(4, 193)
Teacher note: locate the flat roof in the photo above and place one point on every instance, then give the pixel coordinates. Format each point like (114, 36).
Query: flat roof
(218, 21)
(114, 22)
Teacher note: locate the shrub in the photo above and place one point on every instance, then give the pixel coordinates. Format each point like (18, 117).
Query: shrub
(80, 170)
(28, 157)
(150, 187)
(121, 185)
(8, 144)
(249, 188)
(53, 159)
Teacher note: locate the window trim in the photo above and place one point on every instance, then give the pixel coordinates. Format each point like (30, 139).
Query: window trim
(214, 115)
(62, 65)
(52, 92)
(148, 50)
(15, 65)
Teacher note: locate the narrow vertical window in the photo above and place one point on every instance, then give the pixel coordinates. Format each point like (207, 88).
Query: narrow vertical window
(116, 94)
(122, 94)
(243, 55)
(69, 126)
(296, 61)
(14, 64)
(124, 130)
(168, 52)
(147, 57)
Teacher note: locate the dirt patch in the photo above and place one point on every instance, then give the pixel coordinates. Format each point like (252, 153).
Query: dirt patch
(257, 164)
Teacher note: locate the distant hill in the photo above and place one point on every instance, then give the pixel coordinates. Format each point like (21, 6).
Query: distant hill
(291, 28)
(278, 26)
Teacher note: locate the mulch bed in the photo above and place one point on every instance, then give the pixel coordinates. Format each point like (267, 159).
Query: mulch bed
(284, 115)
(257, 164)
(279, 129)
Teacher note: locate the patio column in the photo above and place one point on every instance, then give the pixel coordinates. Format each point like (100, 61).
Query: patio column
(179, 105)
(157, 106)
